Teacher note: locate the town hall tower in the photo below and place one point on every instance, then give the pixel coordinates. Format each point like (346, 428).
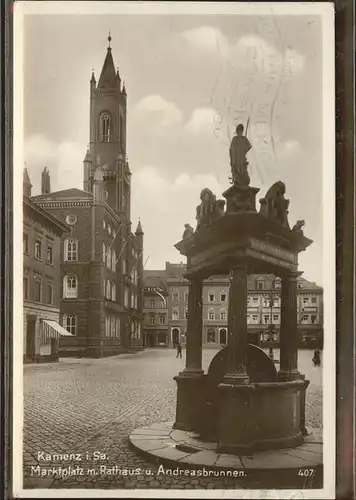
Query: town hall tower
(107, 146)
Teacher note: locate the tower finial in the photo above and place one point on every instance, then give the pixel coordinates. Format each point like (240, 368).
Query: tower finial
(109, 38)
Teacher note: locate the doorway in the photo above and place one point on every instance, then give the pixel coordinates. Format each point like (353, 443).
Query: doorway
(31, 338)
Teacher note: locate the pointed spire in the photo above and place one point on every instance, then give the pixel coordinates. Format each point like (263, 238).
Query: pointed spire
(92, 79)
(124, 88)
(26, 183)
(107, 78)
(87, 156)
(139, 230)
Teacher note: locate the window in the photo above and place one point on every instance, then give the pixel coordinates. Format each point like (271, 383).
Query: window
(255, 318)
(313, 318)
(162, 320)
(108, 290)
(211, 314)
(49, 254)
(211, 297)
(70, 249)
(255, 299)
(186, 295)
(25, 243)
(260, 285)
(121, 132)
(175, 314)
(305, 317)
(313, 300)
(152, 303)
(186, 313)
(175, 297)
(38, 249)
(275, 318)
(211, 335)
(113, 233)
(152, 319)
(305, 300)
(266, 302)
(105, 128)
(49, 293)
(113, 292)
(266, 319)
(104, 252)
(126, 297)
(70, 323)
(112, 330)
(123, 266)
(117, 333)
(108, 258)
(109, 229)
(104, 224)
(223, 314)
(132, 301)
(70, 287)
(113, 261)
(37, 290)
(25, 287)
(277, 285)
(222, 297)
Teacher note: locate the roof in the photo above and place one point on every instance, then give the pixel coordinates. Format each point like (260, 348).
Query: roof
(108, 77)
(155, 279)
(59, 226)
(65, 194)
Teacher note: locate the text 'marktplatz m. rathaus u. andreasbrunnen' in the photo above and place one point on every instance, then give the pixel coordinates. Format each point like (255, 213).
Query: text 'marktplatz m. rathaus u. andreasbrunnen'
(99, 293)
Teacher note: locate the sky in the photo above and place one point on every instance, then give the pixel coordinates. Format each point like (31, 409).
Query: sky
(190, 80)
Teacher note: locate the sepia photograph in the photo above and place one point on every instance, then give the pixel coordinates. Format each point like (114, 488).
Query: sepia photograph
(174, 234)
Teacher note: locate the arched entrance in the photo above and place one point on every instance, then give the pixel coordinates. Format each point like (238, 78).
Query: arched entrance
(223, 336)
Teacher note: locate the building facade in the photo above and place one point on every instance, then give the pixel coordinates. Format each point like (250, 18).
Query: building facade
(263, 309)
(155, 309)
(41, 282)
(101, 259)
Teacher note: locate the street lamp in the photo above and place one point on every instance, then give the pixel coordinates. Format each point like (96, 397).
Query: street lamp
(271, 331)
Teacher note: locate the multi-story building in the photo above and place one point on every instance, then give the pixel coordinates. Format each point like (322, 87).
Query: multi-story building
(263, 309)
(41, 282)
(155, 295)
(101, 258)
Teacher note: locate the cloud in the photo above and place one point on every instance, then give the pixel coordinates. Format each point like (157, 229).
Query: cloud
(158, 112)
(173, 201)
(64, 161)
(247, 51)
(203, 120)
(207, 39)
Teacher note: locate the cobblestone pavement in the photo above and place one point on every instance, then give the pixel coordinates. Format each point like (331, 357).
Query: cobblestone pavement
(83, 406)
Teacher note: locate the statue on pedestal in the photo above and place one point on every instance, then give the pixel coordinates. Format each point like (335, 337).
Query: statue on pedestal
(239, 147)
(188, 231)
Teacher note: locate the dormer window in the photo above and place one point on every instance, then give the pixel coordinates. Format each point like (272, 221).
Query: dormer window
(105, 128)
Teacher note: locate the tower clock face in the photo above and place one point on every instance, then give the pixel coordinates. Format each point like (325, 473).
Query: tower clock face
(71, 219)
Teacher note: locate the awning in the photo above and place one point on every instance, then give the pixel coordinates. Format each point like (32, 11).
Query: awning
(52, 330)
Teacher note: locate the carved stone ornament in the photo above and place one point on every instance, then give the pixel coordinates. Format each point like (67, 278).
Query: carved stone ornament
(188, 231)
(209, 209)
(297, 228)
(274, 206)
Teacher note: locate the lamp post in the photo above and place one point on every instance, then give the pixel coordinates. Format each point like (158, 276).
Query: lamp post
(271, 330)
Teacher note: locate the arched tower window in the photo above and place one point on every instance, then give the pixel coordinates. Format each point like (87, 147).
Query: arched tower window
(105, 127)
(121, 131)
(70, 287)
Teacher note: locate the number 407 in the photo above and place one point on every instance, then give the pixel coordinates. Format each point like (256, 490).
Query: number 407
(306, 472)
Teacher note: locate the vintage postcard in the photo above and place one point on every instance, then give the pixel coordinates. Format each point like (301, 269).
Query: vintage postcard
(174, 197)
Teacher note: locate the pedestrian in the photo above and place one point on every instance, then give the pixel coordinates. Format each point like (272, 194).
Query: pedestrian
(316, 358)
(179, 350)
